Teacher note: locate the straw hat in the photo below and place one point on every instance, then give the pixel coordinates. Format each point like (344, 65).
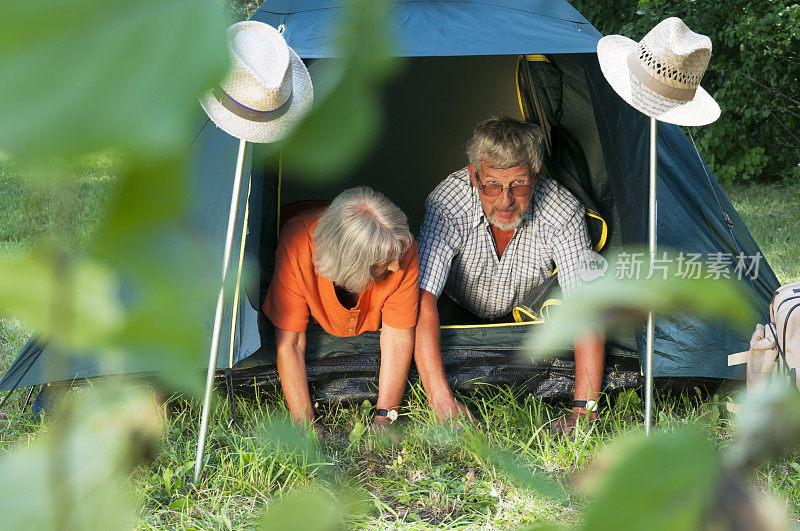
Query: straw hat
(268, 89)
(660, 75)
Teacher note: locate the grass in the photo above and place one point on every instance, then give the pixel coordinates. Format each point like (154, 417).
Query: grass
(430, 479)
(772, 213)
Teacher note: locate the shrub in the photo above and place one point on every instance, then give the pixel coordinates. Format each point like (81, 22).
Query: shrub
(754, 75)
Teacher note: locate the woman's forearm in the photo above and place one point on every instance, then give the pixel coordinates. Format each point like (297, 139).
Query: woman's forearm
(397, 347)
(292, 372)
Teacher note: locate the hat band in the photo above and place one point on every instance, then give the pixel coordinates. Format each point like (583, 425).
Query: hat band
(252, 115)
(662, 89)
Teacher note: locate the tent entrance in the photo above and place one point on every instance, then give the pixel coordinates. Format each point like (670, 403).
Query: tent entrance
(431, 112)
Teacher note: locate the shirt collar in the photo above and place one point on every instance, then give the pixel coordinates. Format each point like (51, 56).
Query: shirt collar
(478, 217)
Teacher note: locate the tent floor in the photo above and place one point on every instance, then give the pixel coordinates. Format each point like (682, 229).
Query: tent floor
(354, 378)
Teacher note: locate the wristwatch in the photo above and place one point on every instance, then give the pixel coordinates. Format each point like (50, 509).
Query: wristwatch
(390, 414)
(588, 405)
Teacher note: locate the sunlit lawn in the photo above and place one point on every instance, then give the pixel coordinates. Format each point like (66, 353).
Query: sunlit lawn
(417, 483)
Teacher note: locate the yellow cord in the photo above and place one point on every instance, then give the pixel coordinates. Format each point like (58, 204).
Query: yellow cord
(519, 94)
(280, 185)
(521, 311)
(239, 273)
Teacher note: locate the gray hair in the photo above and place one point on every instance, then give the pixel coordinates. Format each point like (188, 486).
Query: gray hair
(359, 229)
(506, 142)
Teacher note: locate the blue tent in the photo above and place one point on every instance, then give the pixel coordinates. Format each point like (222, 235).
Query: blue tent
(431, 110)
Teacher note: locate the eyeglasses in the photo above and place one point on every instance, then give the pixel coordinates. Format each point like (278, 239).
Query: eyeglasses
(494, 190)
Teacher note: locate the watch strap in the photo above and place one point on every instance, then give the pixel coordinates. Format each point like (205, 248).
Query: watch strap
(390, 414)
(589, 405)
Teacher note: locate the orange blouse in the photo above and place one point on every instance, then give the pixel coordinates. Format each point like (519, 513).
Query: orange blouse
(297, 292)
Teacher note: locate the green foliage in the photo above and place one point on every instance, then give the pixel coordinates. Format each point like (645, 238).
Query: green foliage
(75, 475)
(771, 215)
(505, 463)
(91, 74)
(78, 304)
(340, 129)
(312, 511)
(610, 302)
(665, 482)
(754, 75)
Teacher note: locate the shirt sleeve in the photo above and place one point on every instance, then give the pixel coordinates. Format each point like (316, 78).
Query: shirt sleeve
(285, 304)
(400, 308)
(570, 248)
(439, 242)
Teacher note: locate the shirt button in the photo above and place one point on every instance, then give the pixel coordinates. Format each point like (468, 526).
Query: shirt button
(349, 330)
(352, 319)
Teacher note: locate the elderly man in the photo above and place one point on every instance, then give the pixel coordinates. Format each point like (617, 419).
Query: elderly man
(353, 268)
(490, 235)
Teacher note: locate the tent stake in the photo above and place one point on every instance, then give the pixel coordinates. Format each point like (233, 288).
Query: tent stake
(214, 351)
(651, 236)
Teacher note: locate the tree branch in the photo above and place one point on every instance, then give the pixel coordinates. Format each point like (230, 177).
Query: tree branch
(776, 91)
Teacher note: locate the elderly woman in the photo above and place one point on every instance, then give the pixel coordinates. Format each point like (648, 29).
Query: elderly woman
(353, 268)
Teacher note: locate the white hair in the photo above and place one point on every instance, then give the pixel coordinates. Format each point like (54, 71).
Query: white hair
(359, 229)
(506, 142)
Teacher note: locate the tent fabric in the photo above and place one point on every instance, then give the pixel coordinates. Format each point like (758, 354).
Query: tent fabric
(694, 216)
(449, 41)
(443, 28)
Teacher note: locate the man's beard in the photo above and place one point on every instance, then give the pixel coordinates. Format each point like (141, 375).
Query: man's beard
(506, 225)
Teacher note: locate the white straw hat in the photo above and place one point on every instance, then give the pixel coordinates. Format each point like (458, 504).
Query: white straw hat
(268, 89)
(660, 75)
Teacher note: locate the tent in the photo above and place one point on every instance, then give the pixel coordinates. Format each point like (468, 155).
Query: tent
(469, 59)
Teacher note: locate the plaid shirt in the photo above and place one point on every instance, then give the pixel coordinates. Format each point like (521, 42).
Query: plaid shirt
(457, 253)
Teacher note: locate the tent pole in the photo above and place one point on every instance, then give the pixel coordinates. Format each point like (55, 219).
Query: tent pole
(651, 237)
(214, 351)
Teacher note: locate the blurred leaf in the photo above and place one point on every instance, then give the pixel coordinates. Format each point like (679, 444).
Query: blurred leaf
(366, 406)
(179, 504)
(357, 432)
(81, 75)
(344, 122)
(768, 425)
(509, 466)
(79, 303)
(309, 511)
(152, 195)
(171, 283)
(664, 482)
(285, 436)
(336, 134)
(170, 304)
(609, 302)
(82, 463)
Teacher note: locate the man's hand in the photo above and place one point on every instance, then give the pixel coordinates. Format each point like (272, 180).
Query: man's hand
(451, 409)
(428, 357)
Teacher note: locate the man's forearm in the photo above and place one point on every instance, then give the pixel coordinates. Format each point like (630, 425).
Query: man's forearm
(589, 365)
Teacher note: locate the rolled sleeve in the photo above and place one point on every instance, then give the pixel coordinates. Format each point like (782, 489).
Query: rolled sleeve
(569, 249)
(285, 304)
(438, 244)
(400, 308)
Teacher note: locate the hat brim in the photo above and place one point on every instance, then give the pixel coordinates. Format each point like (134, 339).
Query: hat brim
(273, 130)
(612, 52)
